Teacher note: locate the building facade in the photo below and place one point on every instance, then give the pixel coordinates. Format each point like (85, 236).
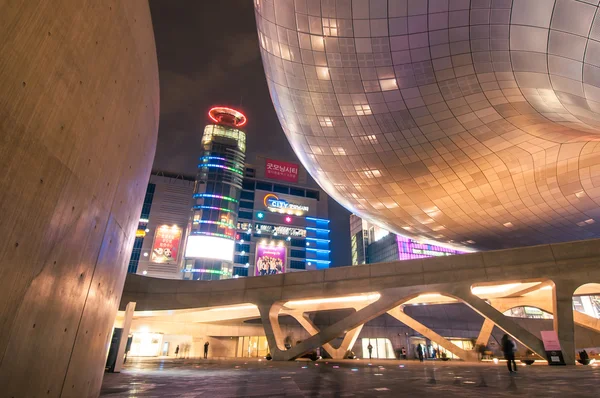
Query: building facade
(372, 244)
(162, 226)
(281, 224)
(281, 219)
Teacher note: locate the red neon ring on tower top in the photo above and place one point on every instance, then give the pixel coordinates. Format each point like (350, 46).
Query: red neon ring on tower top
(237, 118)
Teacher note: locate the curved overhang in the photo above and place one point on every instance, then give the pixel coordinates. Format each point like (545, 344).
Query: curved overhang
(471, 125)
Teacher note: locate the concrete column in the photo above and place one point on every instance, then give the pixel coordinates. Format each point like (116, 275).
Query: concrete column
(564, 325)
(373, 310)
(269, 315)
(503, 322)
(485, 332)
(336, 353)
(123, 344)
(398, 313)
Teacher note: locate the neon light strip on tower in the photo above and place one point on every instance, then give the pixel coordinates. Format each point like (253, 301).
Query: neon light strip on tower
(213, 234)
(318, 250)
(317, 229)
(212, 157)
(209, 195)
(197, 207)
(219, 166)
(319, 240)
(317, 219)
(224, 224)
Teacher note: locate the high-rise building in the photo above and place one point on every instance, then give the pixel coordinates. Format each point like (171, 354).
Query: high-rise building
(210, 240)
(282, 215)
(157, 250)
(283, 221)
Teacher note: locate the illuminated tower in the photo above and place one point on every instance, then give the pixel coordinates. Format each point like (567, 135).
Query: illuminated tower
(211, 230)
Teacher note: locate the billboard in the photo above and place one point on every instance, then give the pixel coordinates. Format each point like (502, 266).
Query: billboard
(270, 260)
(409, 249)
(275, 203)
(213, 247)
(282, 171)
(165, 247)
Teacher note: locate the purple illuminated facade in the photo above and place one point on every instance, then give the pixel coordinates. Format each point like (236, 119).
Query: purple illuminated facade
(409, 249)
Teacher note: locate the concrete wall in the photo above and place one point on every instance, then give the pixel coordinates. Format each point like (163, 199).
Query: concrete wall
(78, 123)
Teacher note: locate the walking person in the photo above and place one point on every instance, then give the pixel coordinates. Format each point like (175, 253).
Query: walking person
(420, 352)
(206, 350)
(177, 351)
(509, 347)
(403, 353)
(370, 348)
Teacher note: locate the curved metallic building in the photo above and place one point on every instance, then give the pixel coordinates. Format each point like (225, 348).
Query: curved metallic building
(78, 126)
(470, 123)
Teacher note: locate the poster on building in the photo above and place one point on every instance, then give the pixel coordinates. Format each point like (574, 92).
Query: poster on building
(166, 244)
(282, 171)
(270, 260)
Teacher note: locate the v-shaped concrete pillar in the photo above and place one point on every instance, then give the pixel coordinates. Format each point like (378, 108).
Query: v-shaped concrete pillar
(398, 313)
(503, 322)
(485, 332)
(336, 353)
(269, 314)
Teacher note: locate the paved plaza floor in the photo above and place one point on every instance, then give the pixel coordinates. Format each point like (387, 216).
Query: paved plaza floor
(192, 378)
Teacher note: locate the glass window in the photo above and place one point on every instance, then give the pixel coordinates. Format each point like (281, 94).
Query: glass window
(312, 194)
(240, 271)
(380, 348)
(245, 214)
(295, 264)
(264, 186)
(246, 205)
(298, 242)
(298, 253)
(247, 195)
(297, 191)
(281, 189)
(249, 185)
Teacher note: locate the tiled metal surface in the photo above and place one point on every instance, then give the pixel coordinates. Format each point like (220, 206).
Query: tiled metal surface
(384, 378)
(468, 122)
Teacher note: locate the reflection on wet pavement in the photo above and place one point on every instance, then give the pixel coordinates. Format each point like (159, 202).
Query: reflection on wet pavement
(192, 378)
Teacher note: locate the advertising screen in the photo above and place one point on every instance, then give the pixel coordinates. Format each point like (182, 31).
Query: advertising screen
(165, 247)
(282, 171)
(202, 246)
(270, 260)
(409, 249)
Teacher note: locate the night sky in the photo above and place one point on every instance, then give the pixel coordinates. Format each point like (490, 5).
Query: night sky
(208, 55)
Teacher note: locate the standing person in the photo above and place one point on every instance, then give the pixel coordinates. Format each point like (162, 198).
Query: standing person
(434, 352)
(206, 350)
(420, 352)
(177, 351)
(370, 348)
(403, 353)
(509, 347)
